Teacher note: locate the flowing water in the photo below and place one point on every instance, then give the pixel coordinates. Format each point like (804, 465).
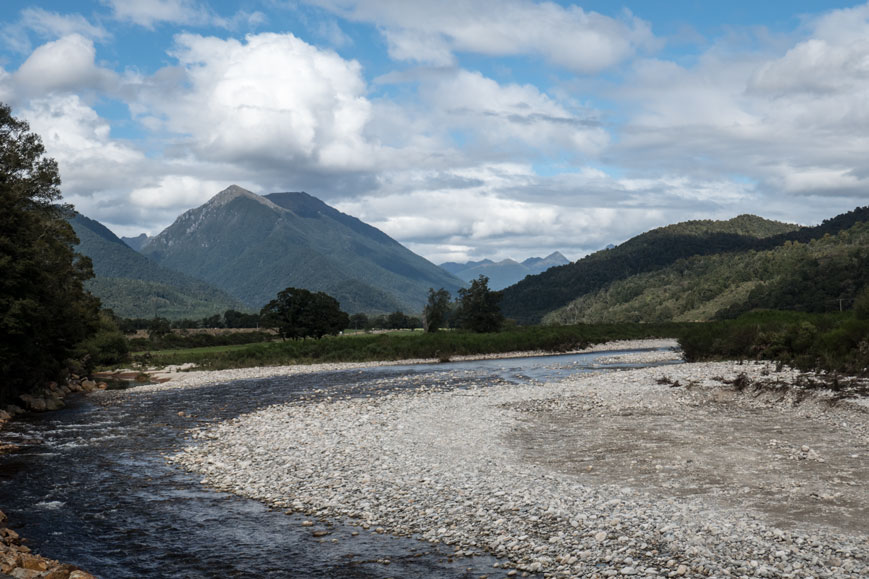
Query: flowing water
(89, 484)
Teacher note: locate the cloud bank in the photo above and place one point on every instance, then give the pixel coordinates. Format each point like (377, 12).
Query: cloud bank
(465, 130)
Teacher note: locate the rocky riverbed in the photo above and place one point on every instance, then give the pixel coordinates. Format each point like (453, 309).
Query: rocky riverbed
(687, 470)
(187, 376)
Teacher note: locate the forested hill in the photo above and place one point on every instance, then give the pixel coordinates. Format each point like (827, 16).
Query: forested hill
(134, 286)
(823, 275)
(530, 299)
(254, 246)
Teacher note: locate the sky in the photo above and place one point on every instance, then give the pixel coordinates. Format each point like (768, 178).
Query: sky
(464, 130)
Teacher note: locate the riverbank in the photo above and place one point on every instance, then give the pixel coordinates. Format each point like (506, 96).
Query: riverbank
(658, 350)
(686, 470)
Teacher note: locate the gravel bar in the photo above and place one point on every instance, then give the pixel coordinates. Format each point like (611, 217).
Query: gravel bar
(445, 466)
(183, 377)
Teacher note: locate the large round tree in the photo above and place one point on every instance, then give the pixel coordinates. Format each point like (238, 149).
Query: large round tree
(298, 313)
(44, 310)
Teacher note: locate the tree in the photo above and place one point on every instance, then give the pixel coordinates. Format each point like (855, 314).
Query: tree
(213, 321)
(478, 307)
(159, 327)
(44, 310)
(358, 321)
(397, 320)
(236, 319)
(299, 313)
(436, 309)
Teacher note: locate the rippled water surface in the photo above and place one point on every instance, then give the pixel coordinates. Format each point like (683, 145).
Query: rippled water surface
(89, 485)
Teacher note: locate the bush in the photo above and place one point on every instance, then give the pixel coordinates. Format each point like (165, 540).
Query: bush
(832, 342)
(105, 348)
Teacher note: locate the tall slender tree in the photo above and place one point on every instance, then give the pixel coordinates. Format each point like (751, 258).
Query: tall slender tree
(479, 309)
(436, 309)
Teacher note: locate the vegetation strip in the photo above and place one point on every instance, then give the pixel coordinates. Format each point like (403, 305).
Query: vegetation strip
(403, 346)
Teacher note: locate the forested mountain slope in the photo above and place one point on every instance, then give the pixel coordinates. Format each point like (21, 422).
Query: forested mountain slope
(824, 274)
(529, 300)
(134, 286)
(254, 246)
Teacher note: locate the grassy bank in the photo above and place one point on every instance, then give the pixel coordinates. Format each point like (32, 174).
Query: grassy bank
(406, 345)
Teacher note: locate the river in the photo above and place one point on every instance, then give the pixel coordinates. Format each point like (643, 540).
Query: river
(89, 484)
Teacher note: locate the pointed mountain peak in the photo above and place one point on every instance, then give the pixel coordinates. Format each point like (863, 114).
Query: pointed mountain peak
(556, 255)
(232, 193)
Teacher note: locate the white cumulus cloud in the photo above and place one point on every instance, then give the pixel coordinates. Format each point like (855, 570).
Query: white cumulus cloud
(63, 65)
(431, 32)
(270, 100)
(153, 12)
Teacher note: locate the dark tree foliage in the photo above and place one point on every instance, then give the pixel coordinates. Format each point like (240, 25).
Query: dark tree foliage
(298, 313)
(359, 322)
(159, 327)
(236, 319)
(436, 309)
(478, 307)
(44, 310)
(397, 321)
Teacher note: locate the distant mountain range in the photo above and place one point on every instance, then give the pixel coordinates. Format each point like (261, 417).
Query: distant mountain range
(506, 272)
(253, 246)
(137, 242)
(238, 250)
(133, 286)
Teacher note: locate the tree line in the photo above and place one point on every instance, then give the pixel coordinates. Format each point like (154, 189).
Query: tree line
(48, 321)
(298, 313)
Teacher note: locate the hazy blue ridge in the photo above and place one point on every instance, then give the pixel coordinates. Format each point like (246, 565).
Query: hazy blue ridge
(506, 272)
(137, 242)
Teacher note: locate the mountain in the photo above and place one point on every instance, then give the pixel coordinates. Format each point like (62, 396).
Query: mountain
(823, 274)
(254, 246)
(530, 299)
(137, 242)
(504, 273)
(133, 286)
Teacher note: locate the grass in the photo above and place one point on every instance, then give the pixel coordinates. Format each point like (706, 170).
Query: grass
(406, 345)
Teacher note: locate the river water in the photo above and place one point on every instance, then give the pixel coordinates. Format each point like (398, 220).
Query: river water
(89, 484)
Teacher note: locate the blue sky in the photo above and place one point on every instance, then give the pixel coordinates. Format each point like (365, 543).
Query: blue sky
(464, 130)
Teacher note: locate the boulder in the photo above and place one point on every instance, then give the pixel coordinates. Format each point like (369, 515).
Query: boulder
(33, 403)
(60, 572)
(88, 385)
(34, 562)
(9, 560)
(53, 402)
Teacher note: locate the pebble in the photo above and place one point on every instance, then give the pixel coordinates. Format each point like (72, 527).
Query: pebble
(431, 462)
